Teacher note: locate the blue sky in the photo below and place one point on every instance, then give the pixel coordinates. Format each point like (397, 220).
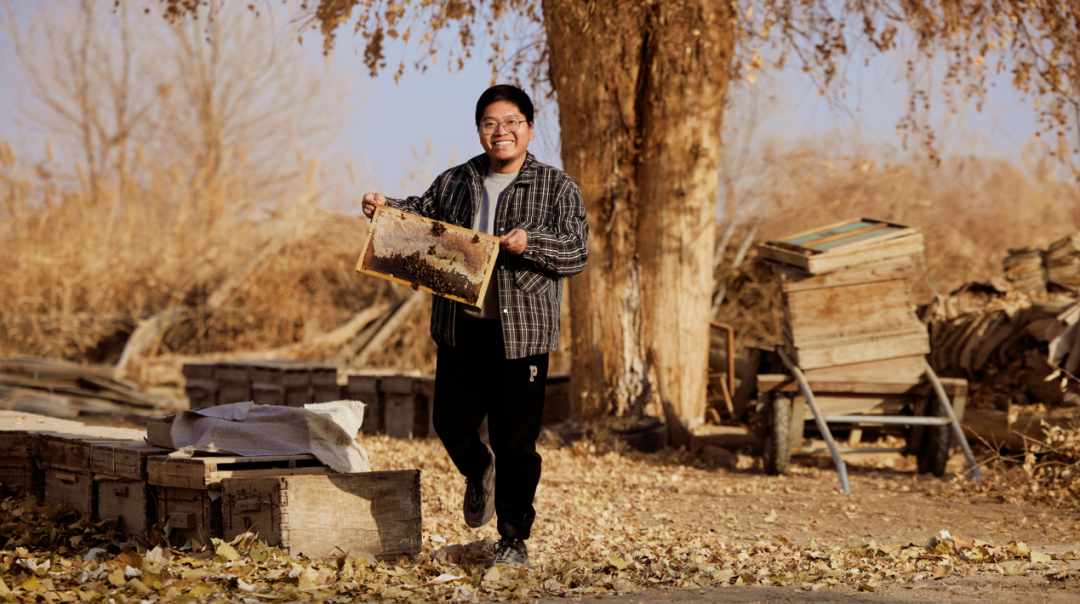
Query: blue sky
(389, 120)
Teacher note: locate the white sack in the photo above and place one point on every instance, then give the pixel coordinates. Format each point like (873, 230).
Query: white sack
(326, 430)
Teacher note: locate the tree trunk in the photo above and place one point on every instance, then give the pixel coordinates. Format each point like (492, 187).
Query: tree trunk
(641, 88)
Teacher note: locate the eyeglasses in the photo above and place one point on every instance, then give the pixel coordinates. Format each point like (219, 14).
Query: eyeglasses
(491, 126)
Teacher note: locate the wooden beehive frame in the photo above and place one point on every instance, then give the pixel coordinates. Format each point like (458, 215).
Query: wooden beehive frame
(381, 211)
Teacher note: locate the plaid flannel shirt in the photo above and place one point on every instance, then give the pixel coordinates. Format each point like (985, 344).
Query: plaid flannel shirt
(545, 203)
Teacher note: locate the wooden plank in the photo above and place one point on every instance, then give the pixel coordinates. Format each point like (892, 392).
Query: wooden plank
(849, 311)
(853, 230)
(859, 350)
(851, 404)
(795, 280)
(67, 450)
(901, 246)
(374, 512)
(464, 258)
(785, 383)
(838, 227)
(202, 472)
(126, 459)
(903, 369)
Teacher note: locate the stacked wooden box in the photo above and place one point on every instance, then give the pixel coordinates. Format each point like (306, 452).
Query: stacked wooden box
(98, 471)
(292, 502)
(272, 382)
(19, 467)
(199, 385)
(847, 293)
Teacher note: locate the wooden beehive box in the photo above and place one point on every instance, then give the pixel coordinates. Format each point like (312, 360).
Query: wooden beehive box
(842, 245)
(847, 293)
(429, 255)
(189, 489)
(365, 388)
(20, 469)
(375, 513)
(292, 502)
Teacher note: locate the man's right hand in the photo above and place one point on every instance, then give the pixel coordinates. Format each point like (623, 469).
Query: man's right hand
(370, 201)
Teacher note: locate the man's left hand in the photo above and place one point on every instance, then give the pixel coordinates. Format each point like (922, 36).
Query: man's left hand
(515, 241)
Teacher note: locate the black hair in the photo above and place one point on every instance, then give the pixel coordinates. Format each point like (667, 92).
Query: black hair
(509, 94)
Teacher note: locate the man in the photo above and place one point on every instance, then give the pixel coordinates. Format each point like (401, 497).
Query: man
(493, 360)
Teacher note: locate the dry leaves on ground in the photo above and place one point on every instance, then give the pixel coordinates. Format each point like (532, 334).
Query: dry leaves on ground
(594, 535)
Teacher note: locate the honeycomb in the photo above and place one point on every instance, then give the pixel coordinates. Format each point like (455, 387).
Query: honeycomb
(425, 253)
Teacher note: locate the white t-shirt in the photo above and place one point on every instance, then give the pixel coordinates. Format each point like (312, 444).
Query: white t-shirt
(484, 221)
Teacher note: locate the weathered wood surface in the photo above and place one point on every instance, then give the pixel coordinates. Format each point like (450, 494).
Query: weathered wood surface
(70, 488)
(17, 430)
(204, 472)
(371, 513)
(848, 351)
(838, 259)
(462, 258)
(793, 280)
(73, 448)
(129, 501)
(900, 369)
(785, 383)
(21, 475)
(124, 459)
(823, 315)
(187, 514)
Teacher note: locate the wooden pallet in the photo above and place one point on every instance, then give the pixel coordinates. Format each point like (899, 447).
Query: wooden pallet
(206, 472)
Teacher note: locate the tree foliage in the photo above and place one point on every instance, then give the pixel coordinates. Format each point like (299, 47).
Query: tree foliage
(1036, 42)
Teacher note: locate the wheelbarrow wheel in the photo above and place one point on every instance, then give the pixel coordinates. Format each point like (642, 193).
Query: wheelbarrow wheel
(778, 437)
(934, 453)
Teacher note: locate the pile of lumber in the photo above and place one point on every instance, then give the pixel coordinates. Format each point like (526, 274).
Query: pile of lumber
(66, 390)
(1033, 271)
(847, 293)
(1016, 350)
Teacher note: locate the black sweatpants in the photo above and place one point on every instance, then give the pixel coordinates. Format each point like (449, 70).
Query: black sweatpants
(473, 379)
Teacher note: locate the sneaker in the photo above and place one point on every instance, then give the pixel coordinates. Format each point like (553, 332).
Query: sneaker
(511, 553)
(479, 505)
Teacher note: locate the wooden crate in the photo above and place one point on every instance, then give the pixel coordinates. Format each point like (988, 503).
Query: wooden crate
(266, 387)
(20, 475)
(233, 383)
(189, 489)
(436, 257)
(405, 414)
(189, 514)
(199, 385)
(131, 502)
(365, 388)
(376, 513)
(70, 488)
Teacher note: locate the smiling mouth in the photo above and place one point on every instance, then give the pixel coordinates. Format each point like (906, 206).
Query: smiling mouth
(502, 144)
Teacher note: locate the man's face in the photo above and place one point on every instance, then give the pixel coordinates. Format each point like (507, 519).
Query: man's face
(503, 147)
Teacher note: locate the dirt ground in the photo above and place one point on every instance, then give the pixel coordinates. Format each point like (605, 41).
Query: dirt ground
(891, 505)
